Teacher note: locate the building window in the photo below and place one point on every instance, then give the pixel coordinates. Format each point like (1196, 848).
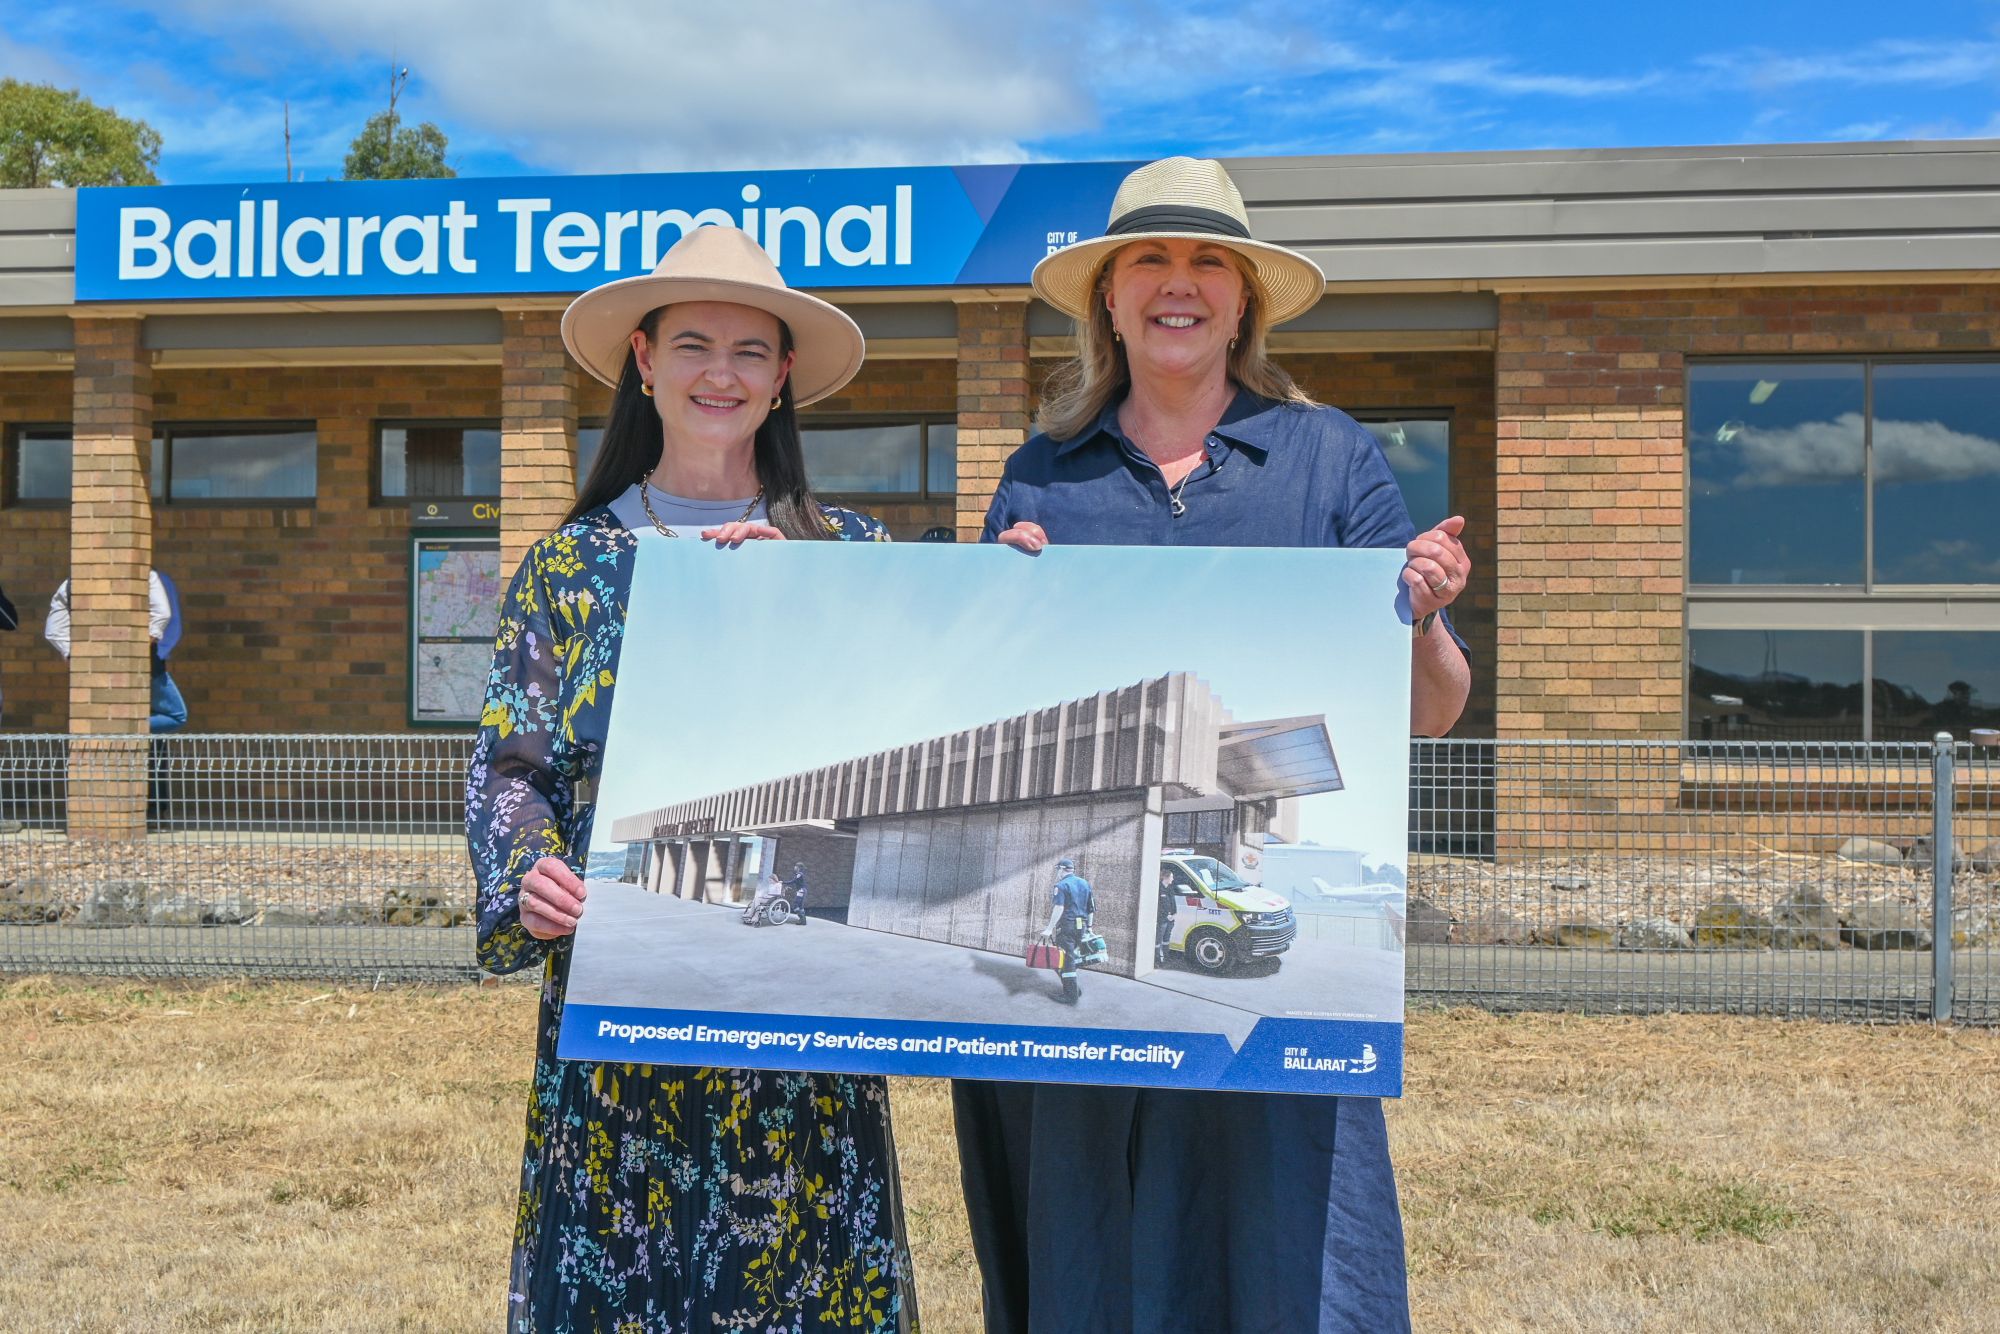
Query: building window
(38, 463)
(438, 460)
(900, 458)
(589, 439)
(1841, 685)
(1843, 567)
(1418, 447)
(235, 463)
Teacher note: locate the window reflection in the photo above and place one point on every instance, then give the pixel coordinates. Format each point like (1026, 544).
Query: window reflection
(1937, 473)
(589, 439)
(439, 461)
(1775, 473)
(1774, 685)
(1928, 682)
(194, 463)
(1419, 453)
(941, 458)
(42, 463)
(859, 460)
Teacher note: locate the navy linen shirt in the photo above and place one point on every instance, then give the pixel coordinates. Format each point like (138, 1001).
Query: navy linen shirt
(1276, 475)
(1090, 1212)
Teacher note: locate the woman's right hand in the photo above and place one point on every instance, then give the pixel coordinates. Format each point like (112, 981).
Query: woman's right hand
(551, 899)
(1025, 536)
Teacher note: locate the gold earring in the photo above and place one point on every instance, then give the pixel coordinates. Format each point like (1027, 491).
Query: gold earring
(645, 389)
(1232, 342)
(776, 399)
(1117, 337)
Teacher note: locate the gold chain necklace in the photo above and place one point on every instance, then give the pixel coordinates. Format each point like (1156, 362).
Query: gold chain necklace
(646, 499)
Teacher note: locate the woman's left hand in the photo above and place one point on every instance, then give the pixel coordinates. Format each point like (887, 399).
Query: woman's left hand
(1436, 567)
(742, 530)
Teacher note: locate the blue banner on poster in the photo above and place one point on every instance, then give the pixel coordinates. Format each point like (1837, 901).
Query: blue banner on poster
(856, 228)
(1350, 1057)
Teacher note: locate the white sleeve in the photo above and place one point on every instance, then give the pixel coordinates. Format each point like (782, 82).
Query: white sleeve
(57, 629)
(159, 610)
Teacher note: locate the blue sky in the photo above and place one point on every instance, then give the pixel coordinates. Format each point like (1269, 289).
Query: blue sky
(742, 666)
(534, 87)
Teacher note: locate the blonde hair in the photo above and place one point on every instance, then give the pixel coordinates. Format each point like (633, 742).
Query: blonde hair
(1081, 388)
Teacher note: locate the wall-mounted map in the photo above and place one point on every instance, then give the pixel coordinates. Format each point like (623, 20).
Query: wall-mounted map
(455, 614)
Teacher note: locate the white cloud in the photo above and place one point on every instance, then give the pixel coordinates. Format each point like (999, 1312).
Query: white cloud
(1825, 451)
(630, 85)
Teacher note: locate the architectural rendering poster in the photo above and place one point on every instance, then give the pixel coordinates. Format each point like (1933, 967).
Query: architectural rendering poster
(1104, 815)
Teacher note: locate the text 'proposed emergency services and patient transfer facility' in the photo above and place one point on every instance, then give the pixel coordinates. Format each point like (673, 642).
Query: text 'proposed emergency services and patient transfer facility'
(956, 838)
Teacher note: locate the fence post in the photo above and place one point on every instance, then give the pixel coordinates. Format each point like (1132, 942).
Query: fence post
(1943, 797)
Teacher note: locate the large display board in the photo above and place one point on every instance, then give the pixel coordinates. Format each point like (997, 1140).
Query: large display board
(1109, 815)
(454, 616)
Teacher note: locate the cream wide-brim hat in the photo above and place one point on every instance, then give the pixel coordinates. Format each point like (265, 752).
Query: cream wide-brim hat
(1181, 198)
(716, 264)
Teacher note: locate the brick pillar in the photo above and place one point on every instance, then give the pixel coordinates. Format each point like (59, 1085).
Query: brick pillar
(111, 550)
(538, 384)
(993, 407)
(1591, 475)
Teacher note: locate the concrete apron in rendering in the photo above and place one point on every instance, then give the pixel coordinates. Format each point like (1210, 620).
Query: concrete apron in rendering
(955, 839)
(653, 951)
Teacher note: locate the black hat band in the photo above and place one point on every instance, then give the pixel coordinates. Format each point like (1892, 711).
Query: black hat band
(1178, 218)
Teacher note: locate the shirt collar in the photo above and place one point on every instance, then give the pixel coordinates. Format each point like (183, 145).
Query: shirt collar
(1249, 422)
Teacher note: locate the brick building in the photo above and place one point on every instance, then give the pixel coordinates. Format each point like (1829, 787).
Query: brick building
(1725, 424)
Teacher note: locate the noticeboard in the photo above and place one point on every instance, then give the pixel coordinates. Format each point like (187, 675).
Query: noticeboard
(454, 616)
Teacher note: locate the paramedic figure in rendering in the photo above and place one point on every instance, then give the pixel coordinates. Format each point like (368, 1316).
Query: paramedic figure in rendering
(1070, 918)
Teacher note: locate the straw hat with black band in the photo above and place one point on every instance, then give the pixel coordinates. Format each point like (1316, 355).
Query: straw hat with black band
(1181, 198)
(716, 264)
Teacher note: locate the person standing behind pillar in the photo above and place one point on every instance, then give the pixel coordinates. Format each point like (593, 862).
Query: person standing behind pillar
(1173, 427)
(9, 618)
(163, 627)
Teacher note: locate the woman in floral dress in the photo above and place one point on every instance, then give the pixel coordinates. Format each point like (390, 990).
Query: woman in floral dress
(657, 1198)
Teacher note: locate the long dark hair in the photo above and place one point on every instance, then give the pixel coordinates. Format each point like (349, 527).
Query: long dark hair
(632, 446)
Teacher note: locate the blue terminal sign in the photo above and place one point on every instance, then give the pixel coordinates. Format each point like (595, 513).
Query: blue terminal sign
(872, 227)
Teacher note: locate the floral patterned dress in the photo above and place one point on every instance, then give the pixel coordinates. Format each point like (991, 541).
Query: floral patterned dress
(656, 1198)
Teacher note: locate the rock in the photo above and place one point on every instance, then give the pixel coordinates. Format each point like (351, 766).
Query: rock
(356, 914)
(1872, 851)
(114, 903)
(1884, 925)
(1983, 857)
(1428, 924)
(232, 910)
(1653, 933)
(1577, 935)
(11, 826)
(1569, 884)
(1495, 928)
(1976, 928)
(1805, 921)
(1728, 924)
(29, 901)
(284, 914)
(178, 911)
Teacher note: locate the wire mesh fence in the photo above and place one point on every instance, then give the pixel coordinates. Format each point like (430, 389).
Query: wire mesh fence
(320, 856)
(1781, 878)
(1794, 878)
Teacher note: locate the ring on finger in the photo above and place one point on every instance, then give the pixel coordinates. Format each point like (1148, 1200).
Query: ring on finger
(1441, 584)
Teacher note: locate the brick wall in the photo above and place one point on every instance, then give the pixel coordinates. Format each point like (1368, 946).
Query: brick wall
(994, 403)
(1591, 475)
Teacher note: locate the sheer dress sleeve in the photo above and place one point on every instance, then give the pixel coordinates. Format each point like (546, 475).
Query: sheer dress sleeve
(519, 787)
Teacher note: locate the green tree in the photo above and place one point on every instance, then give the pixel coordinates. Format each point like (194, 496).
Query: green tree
(52, 137)
(385, 151)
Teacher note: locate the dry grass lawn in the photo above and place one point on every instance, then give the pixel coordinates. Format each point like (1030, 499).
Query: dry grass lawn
(284, 1157)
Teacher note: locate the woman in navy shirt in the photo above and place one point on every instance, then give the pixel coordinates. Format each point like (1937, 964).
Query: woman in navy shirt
(1111, 1210)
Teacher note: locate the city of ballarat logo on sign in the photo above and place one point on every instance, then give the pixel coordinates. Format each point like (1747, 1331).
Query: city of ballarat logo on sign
(1301, 1058)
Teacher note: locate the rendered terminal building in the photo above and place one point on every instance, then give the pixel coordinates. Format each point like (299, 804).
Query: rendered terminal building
(956, 838)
